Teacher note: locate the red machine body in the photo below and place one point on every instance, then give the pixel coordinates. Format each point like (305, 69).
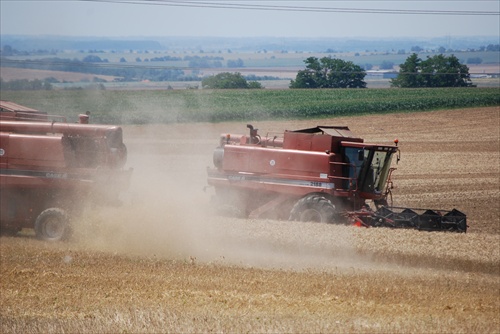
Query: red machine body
(48, 169)
(326, 160)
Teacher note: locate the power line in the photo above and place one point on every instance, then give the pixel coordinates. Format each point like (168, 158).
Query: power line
(288, 8)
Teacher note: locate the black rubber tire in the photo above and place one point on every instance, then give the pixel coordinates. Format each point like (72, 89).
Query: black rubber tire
(52, 225)
(313, 208)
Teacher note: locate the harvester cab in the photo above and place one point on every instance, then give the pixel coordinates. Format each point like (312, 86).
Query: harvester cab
(324, 174)
(368, 169)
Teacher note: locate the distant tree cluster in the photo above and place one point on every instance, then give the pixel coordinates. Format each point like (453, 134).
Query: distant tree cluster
(386, 65)
(8, 50)
(24, 84)
(474, 60)
(100, 66)
(204, 62)
(253, 77)
(165, 58)
(228, 80)
(235, 63)
(204, 57)
(436, 71)
(492, 47)
(94, 59)
(329, 72)
(442, 49)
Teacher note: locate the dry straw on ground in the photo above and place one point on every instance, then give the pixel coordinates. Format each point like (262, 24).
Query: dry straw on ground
(163, 263)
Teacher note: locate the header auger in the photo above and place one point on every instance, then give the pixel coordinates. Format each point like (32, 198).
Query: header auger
(324, 174)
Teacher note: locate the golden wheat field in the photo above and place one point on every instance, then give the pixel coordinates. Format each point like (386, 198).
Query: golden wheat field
(164, 262)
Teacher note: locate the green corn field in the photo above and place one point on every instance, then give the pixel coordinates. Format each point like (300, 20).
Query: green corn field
(168, 106)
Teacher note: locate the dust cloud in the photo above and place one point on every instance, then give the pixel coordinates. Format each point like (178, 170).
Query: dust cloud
(167, 211)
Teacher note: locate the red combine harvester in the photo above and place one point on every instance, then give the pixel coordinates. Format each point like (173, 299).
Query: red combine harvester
(323, 174)
(49, 168)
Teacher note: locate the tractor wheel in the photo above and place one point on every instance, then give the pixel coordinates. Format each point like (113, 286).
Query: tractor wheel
(313, 208)
(52, 225)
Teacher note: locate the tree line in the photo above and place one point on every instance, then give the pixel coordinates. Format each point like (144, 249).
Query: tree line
(93, 64)
(435, 71)
(326, 72)
(25, 84)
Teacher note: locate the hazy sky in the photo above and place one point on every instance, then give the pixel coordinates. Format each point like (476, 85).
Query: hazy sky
(286, 18)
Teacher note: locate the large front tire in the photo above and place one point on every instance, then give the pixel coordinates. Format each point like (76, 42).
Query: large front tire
(52, 225)
(313, 208)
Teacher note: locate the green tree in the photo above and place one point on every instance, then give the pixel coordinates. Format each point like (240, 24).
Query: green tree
(329, 72)
(228, 80)
(254, 85)
(436, 71)
(408, 73)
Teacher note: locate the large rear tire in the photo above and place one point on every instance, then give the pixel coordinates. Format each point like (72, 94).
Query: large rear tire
(52, 225)
(313, 208)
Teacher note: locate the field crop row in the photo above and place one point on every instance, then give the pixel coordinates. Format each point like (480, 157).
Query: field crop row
(142, 107)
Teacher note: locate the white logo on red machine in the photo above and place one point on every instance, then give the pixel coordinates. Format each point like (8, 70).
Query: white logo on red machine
(272, 162)
(2, 152)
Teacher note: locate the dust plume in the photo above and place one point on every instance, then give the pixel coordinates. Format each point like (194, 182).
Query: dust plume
(166, 213)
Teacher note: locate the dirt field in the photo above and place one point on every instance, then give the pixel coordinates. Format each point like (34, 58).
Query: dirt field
(164, 263)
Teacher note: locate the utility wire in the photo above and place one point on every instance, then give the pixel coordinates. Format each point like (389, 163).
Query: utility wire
(288, 8)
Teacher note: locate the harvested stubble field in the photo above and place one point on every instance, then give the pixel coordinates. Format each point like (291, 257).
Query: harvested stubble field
(164, 263)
